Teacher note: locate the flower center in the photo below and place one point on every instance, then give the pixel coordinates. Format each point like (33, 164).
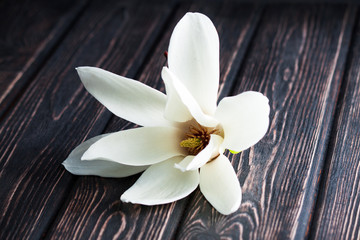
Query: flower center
(197, 138)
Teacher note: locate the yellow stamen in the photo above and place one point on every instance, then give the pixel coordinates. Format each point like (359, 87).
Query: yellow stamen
(191, 142)
(197, 138)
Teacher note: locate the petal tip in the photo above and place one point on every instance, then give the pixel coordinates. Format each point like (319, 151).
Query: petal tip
(196, 14)
(124, 199)
(86, 70)
(232, 209)
(80, 68)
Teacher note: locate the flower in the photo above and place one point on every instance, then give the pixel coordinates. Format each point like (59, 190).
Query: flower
(184, 133)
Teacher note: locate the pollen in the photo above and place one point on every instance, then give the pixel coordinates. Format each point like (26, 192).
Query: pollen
(197, 138)
(191, 142)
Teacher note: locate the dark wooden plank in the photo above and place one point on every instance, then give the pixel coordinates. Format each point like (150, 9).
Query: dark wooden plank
(94, 209)
(55, 113)
(29, 31)
(337, 214)
(297, 59)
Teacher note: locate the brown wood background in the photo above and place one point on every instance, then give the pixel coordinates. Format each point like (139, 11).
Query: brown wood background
(301, 181)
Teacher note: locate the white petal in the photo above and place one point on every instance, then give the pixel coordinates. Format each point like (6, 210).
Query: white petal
(137, 147)
(211, 150)
(97, 167)
(182, 165)
(162, 183)
(187, 99)
(194, 58)
(245, 119)
(175, 109)
(220, 185)
(126, 98)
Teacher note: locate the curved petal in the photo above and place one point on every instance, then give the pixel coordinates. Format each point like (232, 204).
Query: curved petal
(126, 98)
(211, 150)
(162, 183)
(220, 185)
(182, 93)
(175, 109)
(97, 167)
(194, 58)
(182, 165)
(137, 147)
(244, 118)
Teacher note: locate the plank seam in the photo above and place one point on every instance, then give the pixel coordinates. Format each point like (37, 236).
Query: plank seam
(240, 69)
(330, 142)
(131, 73)
(79, 11)
(136, 73)
(226, 92)
(44, 55)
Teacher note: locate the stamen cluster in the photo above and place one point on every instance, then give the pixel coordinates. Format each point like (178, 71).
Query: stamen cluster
(197, 139)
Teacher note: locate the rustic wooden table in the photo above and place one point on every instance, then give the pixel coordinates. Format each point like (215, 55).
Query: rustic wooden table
(301, 181)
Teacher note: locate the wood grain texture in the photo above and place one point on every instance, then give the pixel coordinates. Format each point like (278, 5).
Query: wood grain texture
(296, 60)
(55, 113)
(93, 209)
(337, 214)
(29, 32)
(294, 54)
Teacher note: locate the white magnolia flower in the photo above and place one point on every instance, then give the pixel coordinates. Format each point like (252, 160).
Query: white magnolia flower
(184, 133)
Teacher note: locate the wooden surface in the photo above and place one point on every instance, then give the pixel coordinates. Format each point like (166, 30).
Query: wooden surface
(301, 181)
